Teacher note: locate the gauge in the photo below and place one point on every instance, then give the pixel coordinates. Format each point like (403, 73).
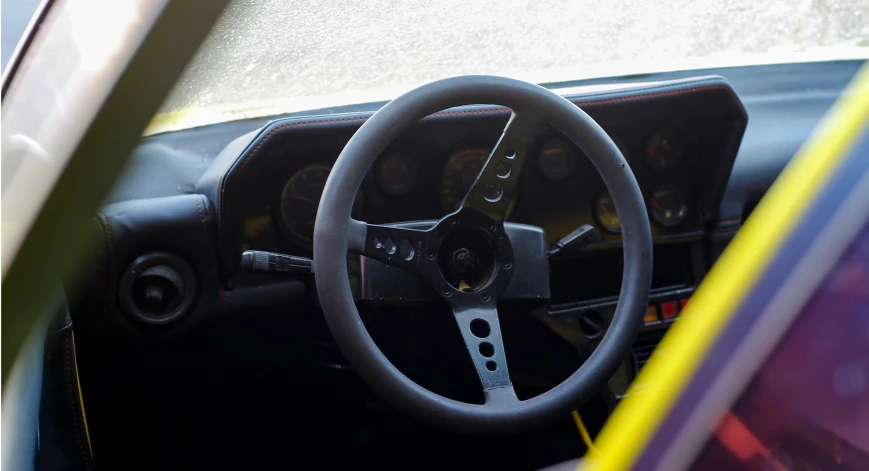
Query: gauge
(300, 199)
(663, 152)
(556, 161)
(396, 174)
(668, 206)
(605, 213)
(461, 171)
(622, 147)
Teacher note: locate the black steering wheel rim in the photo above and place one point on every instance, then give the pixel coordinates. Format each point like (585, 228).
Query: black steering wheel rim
(335, 233)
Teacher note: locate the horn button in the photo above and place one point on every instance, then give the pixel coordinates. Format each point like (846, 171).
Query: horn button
(470, 259)
(467, 260)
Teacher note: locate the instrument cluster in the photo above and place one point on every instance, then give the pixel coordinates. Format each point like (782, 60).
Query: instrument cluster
(398, 176)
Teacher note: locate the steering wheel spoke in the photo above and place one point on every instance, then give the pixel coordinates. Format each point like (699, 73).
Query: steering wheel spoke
(494, 191)
(399, 246)
(482, 334)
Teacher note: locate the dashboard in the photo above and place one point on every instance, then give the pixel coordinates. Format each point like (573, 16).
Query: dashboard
(680, 139)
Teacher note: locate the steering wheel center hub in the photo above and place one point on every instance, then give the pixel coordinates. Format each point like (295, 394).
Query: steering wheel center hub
(464, 260)
(467, 260)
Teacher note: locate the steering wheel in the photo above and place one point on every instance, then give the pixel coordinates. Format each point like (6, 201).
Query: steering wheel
(470, 257)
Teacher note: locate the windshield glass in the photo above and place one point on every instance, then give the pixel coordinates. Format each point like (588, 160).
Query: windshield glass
(16, 15)
(270, 57)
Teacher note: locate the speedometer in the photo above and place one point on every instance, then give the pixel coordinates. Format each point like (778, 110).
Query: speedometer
(461, 171)
(300, 199)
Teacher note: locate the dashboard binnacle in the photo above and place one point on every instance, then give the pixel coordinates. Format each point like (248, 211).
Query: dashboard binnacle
(396, 175)
(680, 139)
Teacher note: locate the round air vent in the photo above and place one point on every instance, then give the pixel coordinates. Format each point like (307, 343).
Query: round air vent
(157, 288)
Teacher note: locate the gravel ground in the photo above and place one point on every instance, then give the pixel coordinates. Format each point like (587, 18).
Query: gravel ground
(310, 53)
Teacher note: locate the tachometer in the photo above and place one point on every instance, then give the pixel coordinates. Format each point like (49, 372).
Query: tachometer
(300, 199)
(461, 171)
(396, 174)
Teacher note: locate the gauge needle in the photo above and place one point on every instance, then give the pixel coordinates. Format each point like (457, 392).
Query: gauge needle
(603, 208)
(657, 206)
(302, 198)
(385, 175)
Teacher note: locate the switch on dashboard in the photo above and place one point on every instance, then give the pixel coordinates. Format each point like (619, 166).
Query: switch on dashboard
(651, 316)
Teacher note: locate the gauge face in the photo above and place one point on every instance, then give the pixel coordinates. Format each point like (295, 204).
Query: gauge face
(556, 161)
(663, 152)
(605, 213)
(668, 206)
(300, 199)
(396, 174)
(461, 171)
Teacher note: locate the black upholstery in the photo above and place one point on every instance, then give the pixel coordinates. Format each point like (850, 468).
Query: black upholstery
(64, 442)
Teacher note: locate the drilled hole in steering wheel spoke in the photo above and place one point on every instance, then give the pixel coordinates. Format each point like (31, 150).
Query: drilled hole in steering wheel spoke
(480, 328)
(493, 192)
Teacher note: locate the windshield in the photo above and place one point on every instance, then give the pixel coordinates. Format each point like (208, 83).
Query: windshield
(271, 57)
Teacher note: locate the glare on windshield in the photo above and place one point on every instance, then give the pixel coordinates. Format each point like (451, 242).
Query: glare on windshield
(270, 57)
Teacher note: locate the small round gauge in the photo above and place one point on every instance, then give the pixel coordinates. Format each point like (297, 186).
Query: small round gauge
(300, 199)
(605, 213)
(461, 171)
(668, 206)
(556, 161)
(622, 147)
(396, 174)
(663, 152)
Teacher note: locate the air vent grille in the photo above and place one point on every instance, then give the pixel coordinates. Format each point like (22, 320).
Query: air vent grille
(643, 347)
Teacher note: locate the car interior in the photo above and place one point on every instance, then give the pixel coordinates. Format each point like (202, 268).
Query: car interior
(248, 365)
(233, 309)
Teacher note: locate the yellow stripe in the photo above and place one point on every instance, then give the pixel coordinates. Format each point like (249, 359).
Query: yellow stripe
(635, 420)
(583, 432)
(81, 400)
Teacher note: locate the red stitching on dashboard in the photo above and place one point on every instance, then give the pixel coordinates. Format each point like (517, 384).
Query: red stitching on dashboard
(288, 125)
(210, 245)
(455, 113)
(656, 95)
(72, 402)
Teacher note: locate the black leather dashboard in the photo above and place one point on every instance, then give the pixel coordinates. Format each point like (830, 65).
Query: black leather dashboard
(237, 177)
(703, 115)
